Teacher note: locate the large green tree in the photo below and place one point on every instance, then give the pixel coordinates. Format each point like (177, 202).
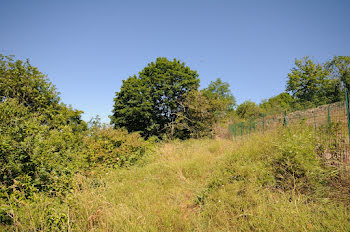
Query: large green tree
(150, 102)
(248, 109)
(339, 67)
(220, 90)
(277, 104)
(311, 84)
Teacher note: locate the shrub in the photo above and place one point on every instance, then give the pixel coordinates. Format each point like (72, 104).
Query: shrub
(32, 153)
(296, 165)
(113, 147)
(34, 156)
(248, 109)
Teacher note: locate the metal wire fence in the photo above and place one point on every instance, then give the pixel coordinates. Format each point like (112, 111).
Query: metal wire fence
(330, 124)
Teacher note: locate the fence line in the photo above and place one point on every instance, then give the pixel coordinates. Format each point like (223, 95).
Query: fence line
(331, 125)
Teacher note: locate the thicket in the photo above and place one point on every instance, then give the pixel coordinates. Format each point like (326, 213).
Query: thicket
(46, 148)
(275, 182)
(44, 143)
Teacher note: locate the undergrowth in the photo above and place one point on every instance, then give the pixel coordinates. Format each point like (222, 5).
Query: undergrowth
(275, 182)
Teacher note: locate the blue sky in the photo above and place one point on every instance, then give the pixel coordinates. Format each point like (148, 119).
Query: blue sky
(88, 47)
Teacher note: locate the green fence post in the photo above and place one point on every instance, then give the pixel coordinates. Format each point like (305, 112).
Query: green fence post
(315, 125)
(263, 123)
(250, 126)
(285, 122)
(329, 116)
(234, 130)
(347, 108)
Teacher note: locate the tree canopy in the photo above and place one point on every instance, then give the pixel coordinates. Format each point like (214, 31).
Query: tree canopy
(150, 102)
(20, 80)
(311, 84)
(248, 109)
(221, 91)
(281, 102)
(339, 68)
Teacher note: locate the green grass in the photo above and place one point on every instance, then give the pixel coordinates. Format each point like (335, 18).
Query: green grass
(265, 183)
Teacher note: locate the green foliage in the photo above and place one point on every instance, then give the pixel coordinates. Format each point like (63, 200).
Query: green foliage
(202, 185)
(34, 154)
(150, 102)
(197, 117)
(40, 138)
(248, 109)
(201, 110)
(296, 165)
(339, 67)
(275, 178)
(193, 185)
(44, 144)
(113, 147)
(220, 91)
(277, 104)
(26, 83)
(311, 85)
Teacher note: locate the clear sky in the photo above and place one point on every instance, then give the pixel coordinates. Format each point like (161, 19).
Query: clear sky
(88, 47)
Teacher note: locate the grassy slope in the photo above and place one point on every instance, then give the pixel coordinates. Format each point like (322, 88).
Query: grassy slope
(203, 185)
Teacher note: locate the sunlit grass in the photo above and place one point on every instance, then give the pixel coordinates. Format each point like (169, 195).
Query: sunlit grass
(198, 185)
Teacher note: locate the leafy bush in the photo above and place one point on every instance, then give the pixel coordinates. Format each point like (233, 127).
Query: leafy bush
(248, 109)
(296, 165)
(32, 153)
(114, 147)
(24, 82)
(39, 136)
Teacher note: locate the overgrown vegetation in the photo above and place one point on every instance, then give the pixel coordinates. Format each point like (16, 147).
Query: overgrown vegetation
(275, 182)
(59, 173)
(44, 143)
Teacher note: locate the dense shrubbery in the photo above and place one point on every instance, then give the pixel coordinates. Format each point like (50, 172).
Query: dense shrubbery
(32, 153)
(47, 152)
(44, 143)
(113, 147)
(248, 109)
(39, 135)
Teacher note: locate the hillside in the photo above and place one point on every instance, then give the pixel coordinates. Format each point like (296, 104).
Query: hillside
(274, 182)
(176, 157)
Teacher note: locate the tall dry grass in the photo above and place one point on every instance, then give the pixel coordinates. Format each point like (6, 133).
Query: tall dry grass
(273, 182)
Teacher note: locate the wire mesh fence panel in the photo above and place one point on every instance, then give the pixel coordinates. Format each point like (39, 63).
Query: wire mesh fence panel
(329, 123)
